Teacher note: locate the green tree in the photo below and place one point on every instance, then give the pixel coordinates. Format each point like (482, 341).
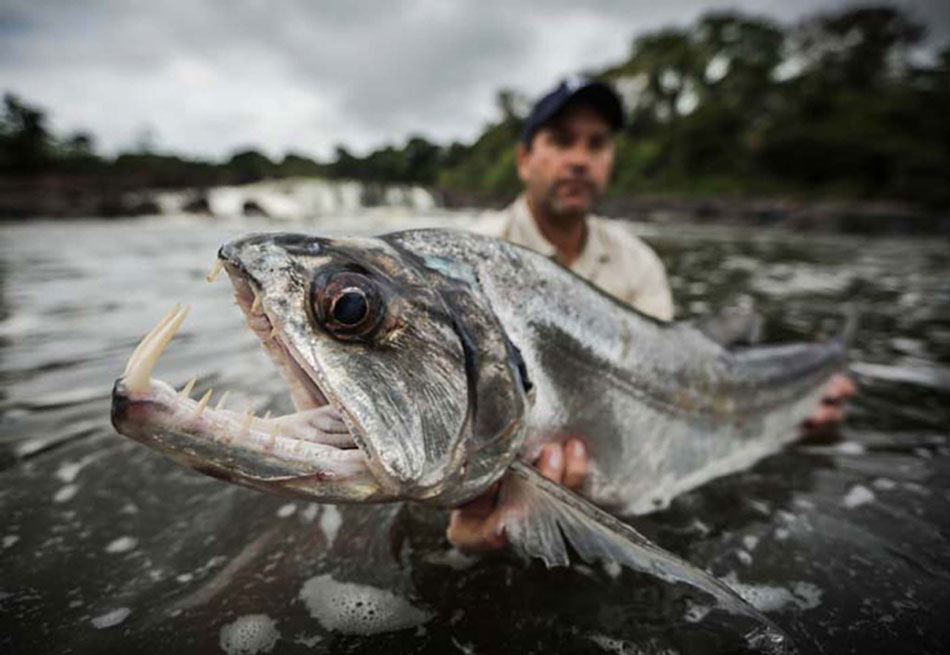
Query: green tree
(25, 141)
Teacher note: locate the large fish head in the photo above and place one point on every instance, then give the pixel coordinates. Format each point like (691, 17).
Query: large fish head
(412, 359)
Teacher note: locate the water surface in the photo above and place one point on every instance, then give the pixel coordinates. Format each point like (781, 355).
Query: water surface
(106, 546)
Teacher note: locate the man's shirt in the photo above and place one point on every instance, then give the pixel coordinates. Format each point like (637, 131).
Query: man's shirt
(612, 259)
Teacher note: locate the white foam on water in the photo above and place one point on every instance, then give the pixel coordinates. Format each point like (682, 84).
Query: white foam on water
(330, 521)
(781, 534)
(358, 609)
(65, 493)
(766, 598)
(750, 541)
(884, 484)
(185, 577)
(68, 471)
(763, 597)
(743, 557)
(624, 647)
(308, 640)
(858, 495)
(249, 634)
(611, 644)
(10, 539)
(809, 594)
(122, 545)
(850, 448)
(696, 613)
(287, 510)
(110, 619)
(309, 513)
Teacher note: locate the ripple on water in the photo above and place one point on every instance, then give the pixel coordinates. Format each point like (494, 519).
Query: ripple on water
(122, 545)
(112, 618)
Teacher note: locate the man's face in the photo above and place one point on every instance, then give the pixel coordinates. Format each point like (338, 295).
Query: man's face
(568, 164)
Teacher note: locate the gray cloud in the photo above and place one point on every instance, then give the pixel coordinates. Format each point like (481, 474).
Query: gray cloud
(209, 76)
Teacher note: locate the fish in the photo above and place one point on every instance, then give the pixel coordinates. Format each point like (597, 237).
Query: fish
(428, 365)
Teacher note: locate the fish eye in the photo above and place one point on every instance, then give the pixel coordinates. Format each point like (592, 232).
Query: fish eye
(349, 308)
(346, 304)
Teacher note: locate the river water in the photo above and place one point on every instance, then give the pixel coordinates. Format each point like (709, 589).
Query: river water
(108, 547)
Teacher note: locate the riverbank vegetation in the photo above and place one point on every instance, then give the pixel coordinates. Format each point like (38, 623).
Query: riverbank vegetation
(845, 105)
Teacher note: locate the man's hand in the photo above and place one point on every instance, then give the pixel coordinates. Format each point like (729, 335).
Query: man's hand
(829, 414)
(476, 526)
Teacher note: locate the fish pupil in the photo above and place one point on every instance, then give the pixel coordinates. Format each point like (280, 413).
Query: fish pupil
(350, 308)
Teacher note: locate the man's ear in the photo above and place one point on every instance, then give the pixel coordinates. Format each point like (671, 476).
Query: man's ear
(521, 156)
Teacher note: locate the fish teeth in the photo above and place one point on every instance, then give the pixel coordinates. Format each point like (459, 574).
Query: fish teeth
(188, 388)
(221, 402)
(213, 275)
(203, 402)
(256, 305)
(145, 356)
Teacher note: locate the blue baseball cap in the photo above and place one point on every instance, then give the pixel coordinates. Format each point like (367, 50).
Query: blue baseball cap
(598, 95)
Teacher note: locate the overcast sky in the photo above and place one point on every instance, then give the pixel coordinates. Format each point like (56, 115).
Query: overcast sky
(207, 77)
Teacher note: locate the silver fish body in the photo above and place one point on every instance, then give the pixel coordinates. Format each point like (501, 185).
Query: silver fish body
(662, 407)
(427, 365)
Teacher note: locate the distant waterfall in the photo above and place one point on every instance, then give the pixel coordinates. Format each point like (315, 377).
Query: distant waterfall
(296, 199)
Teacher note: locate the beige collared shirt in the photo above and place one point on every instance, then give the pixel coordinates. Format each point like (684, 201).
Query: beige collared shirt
(612, 258)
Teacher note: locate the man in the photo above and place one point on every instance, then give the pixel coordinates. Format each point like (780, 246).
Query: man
(564, 160)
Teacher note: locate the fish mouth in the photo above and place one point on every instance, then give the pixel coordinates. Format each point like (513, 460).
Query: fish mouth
(310, 453)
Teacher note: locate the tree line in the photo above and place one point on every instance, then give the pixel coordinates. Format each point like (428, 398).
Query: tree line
(842, 105)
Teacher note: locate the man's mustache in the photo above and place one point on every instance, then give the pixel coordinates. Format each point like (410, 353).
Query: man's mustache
(574, 181)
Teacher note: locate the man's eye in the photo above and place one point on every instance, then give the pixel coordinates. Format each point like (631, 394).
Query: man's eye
(597, 143)
(561, 139)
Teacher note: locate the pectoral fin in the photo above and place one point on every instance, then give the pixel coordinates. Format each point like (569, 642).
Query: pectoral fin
(540, 514)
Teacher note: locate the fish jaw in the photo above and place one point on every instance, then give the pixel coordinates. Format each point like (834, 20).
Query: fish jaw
(412, 456)
(306, 454)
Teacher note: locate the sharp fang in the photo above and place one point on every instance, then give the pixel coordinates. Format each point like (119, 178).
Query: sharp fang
(188, 388)
(213, 275)
(256, 304)
(266, 415)
(221, 402)
(203, 402)
(136, 380)
(136, 354)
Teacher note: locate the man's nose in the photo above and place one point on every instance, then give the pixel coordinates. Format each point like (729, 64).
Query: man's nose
(578, 156)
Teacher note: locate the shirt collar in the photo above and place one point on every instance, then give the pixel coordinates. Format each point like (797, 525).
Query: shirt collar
(523, 229)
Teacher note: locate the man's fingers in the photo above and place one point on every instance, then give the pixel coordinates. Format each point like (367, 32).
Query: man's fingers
(481, 507)
(551, 462)
(575, 463)
(827, 413)
(840, 387)
(474, 534)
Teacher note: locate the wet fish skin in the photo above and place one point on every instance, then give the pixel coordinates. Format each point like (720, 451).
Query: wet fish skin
(663, 407)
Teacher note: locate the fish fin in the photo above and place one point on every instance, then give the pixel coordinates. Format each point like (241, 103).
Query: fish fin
(852, 316)
(539, 515)
(739, 324)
